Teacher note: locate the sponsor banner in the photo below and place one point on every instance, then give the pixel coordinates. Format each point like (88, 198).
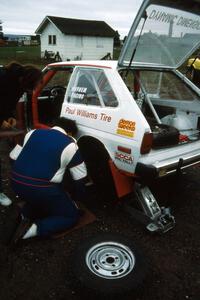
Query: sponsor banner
(125, 132)
(192, 22)
(126, 128)
(88, 115)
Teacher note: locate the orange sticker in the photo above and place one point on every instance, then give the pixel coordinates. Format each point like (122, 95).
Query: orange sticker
(126, 127)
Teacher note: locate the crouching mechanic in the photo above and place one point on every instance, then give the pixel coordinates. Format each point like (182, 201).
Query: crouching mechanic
(37, 175)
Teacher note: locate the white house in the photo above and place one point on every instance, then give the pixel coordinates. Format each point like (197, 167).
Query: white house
(76, 39)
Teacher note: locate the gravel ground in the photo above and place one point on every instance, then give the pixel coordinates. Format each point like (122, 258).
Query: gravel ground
(40, 269)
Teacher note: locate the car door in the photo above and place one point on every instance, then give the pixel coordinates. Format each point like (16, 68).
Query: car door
(91, 100)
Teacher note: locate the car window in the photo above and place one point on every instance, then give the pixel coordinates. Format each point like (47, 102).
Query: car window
(166, 85)
(106, 91)
(91, 87)
(157, 84)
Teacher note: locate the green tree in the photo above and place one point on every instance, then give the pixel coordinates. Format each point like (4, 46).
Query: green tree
(117, 42)
(1, 30)
(124, 39)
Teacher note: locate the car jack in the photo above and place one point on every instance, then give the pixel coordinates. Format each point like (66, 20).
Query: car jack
(156, 218)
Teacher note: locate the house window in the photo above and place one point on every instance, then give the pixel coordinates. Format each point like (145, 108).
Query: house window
(52, 39)
(99, 41)
(79, 41)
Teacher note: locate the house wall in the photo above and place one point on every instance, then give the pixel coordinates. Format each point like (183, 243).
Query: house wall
(76, 47)
(50, 30)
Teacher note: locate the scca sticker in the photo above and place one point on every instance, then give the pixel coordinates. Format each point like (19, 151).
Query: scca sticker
(126, 127)
(125, 158)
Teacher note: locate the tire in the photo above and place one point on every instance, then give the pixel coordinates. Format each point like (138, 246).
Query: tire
(108, 265)
(96, 159)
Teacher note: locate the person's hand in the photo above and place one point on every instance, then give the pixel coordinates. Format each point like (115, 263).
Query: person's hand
(12, 122)
(5, 125)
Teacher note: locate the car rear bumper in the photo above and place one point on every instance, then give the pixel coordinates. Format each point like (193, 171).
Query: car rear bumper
(164, 167)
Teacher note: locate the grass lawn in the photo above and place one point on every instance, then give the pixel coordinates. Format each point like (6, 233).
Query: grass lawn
(22, 54)
(29, 54)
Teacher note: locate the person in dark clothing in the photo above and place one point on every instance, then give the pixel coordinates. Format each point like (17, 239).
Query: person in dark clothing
(15, 80)
(37, 175)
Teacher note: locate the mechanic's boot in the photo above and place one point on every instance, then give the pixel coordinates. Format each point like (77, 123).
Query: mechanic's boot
(4, 200)
(32, 231)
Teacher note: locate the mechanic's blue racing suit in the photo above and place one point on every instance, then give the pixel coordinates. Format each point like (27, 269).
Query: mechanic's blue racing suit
(37, 175)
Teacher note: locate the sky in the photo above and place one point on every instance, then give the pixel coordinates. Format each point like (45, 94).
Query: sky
(24, 16)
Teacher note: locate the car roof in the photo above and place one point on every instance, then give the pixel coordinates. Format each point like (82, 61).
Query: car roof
(111, 64)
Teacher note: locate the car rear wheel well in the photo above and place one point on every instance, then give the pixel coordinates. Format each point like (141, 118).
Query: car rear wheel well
(90, 144)
(97, 158)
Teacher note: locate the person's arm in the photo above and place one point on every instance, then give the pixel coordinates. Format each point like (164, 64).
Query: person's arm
(74, 163)
(17, 149)
(78, 171)
(15, 152)
(7, 113)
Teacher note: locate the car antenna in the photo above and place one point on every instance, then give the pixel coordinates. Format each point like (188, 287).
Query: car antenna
(134, 50)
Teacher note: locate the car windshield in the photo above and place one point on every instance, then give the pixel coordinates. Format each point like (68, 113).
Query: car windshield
(168, 35)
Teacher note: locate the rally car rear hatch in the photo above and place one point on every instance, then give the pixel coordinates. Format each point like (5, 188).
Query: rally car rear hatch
(164, 34)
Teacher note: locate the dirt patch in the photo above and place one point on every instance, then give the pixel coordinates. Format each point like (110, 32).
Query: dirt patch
(40, 269)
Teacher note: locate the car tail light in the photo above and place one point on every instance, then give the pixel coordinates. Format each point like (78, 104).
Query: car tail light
(146, 143)
(124, 149)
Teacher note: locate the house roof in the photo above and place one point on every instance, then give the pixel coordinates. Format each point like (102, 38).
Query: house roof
(78, 27)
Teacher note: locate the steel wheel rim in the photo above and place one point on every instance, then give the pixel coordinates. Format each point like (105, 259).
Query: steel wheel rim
(110, 260)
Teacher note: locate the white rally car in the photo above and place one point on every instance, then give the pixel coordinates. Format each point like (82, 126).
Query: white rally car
(139, 117)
